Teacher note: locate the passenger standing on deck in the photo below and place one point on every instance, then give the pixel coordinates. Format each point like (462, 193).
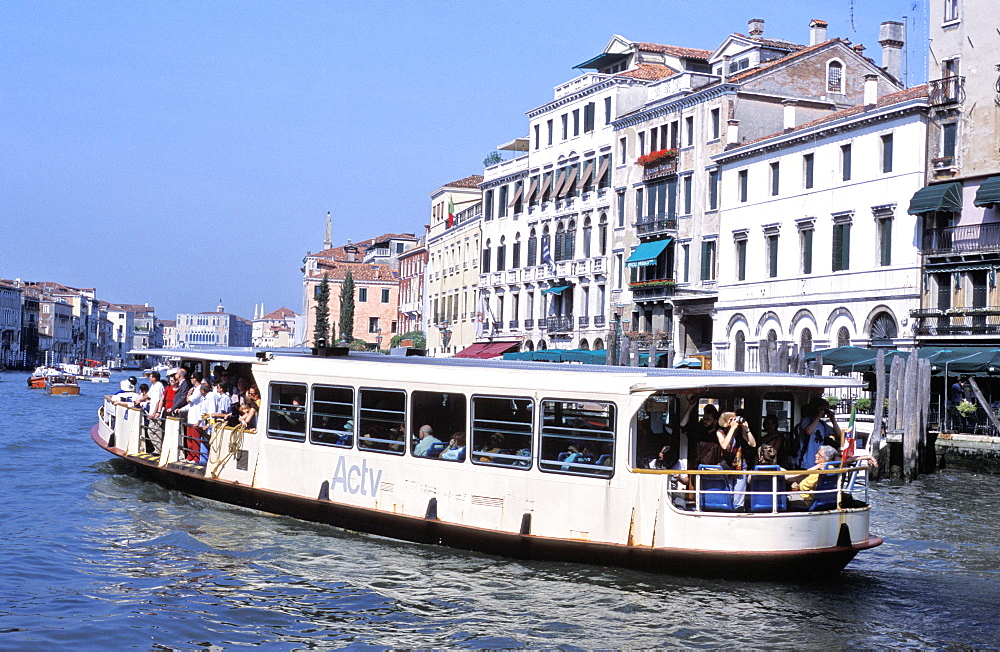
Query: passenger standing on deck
(195, 408)
(701, 434)
(815, 432)
(155, 394)
(737, 443)
(181, 391)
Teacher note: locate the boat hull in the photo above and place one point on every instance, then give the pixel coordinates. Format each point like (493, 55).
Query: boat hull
(68, 390)
(798, 564)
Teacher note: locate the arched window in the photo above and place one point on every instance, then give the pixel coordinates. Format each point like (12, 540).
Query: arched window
(740, 360)
(843, 336)
(598, 344)
(502, 254)
(586, 238)
(884, 329)
(835, 77)
(559, 252)
(515, 254)
(602, 236)
(806, 341)
(541, 345)
(529, 346)
(486, 257)
(532, 248)
(584, 345)
(569, 247)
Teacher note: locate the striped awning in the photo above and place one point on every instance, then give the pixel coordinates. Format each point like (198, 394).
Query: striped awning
(945, 197)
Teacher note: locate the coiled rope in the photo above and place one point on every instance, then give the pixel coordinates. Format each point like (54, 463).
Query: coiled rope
(235, 443)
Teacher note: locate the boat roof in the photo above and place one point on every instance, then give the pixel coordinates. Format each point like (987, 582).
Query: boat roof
(636, 379)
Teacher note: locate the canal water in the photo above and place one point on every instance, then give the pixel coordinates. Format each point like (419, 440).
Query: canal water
(91, 557)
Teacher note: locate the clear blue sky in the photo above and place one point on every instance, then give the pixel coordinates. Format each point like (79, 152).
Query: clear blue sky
(178, 153)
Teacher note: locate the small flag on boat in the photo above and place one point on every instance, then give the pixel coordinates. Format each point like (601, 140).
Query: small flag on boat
(849, 439)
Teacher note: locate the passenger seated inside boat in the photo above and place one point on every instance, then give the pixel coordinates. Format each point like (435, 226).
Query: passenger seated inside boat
(575, 455)
(455, 450)
(425, 441)
(495, 446)
(806, 483)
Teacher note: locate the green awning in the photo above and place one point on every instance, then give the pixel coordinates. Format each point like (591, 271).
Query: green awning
(988, 193)
(555, 290)
(645, 254)
(941, 197)
(603, 60)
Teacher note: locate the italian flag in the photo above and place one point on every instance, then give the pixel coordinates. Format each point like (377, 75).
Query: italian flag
(451, 212)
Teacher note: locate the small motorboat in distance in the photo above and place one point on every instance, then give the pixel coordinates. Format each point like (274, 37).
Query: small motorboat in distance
(60, 383)
(37, 378)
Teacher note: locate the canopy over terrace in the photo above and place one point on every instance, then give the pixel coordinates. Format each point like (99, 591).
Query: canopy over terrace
(964, 360)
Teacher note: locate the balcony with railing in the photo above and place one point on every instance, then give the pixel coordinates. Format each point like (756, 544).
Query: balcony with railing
(957, 321)
(529, 324)
(512, 324)
(651, 225)
(648, 290)
(947, 90)
(559, 324)
(599, 321)
(965, 238)
(659, 170)
(584, 321)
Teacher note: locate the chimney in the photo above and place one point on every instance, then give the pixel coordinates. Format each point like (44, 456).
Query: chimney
(756, 27)
(817, 31)
(891, 36)
(789, 114)
(725, 67)
(352, 253)
(733, 132)
(871, 89)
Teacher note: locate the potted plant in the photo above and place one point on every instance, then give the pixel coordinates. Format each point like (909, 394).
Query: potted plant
(657, 157)
(966, 409)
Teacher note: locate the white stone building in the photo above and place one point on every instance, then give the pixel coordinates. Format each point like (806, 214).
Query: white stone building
(816, 247)
(451, 271)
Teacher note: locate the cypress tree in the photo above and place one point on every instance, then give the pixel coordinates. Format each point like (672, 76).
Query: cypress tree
(322, 327)
(347, 309)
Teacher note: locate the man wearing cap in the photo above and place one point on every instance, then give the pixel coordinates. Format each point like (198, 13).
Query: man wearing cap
(126, 393)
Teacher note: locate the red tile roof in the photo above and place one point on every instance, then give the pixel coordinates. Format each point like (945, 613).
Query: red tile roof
(649, 71)
(280, 313)
(468, 182)
(337, 271)
(677, 51)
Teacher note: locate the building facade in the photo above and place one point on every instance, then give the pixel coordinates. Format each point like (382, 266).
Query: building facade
(412, 297)
(217, 328)
(276, 329)
(960, 303)
(454, 240)
(376, 286)
(11, 354)
(816, 248)
(670, 190)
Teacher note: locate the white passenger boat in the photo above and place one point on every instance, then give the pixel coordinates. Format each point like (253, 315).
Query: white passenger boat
(557, 463)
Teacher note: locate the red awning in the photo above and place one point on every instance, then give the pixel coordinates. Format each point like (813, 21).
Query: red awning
(484, 350)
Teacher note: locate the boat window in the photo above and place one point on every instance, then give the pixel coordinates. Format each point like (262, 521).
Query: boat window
(657, 425)
(577, 437)
(286, 417)
(445, 414)
(332, 420)
(382, 420)
(501, 431)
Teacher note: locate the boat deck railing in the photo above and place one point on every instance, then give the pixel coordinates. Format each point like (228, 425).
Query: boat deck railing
(764, 492)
